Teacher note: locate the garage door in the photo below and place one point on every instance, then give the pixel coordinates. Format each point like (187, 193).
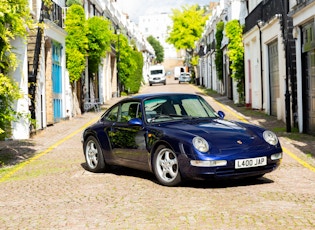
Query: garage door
(274, 76)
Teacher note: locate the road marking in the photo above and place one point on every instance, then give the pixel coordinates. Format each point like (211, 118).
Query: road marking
(302, 162)
(40, 154)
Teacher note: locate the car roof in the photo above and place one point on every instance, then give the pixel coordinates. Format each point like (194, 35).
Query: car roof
(149, 95)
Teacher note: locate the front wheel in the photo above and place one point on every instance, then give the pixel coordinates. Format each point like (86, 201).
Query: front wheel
(165, 166)
(93, 155)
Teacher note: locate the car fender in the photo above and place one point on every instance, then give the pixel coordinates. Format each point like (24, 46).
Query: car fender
(101, 137)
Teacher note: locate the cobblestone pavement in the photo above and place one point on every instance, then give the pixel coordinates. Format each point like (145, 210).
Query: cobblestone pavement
(52, 190)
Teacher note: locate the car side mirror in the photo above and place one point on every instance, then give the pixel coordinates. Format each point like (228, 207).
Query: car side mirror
(221, 114)
(135, 122)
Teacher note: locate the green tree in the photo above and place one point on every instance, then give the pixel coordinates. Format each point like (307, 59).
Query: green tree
(187, 27)
(14, 21)
(158, 49)
(133, 82)
(99, 37)
(219, 51)
(125, 63)
(76, 41)
(130, 64)
(234, 32)
(72, 2)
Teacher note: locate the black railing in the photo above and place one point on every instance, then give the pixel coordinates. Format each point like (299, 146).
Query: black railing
(264, 11)
(253, 17)
(32, 78)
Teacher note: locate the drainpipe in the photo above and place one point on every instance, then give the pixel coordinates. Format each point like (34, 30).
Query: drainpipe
(260, 24)
(285, 30)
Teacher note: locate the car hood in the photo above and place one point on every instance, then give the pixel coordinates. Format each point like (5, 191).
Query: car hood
(221, 133)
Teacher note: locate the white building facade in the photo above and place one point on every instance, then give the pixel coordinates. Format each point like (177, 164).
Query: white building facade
(157, 26)
(47, 96)
(303, 16)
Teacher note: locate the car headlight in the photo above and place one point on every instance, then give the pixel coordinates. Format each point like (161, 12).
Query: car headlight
(270, 137)
(200, 144)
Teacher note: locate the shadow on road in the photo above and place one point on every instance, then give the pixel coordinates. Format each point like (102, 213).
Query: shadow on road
(202, 184)
(15, 151)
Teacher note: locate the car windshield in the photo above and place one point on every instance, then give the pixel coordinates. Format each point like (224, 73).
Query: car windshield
(176, 107)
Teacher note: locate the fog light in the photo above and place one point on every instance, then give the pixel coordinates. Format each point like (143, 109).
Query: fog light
(276, 156)
(208, 163)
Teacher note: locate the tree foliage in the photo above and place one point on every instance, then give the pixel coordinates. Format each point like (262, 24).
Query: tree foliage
(76, 41)
(130, 64)
(133, 83)
(99, 37)
(124, 62)
(187, 27)
(158, 49)
(234, 32)
(219, 51)
(14, 21)
(72, 2)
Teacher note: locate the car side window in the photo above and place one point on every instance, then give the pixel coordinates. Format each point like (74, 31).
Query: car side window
(129, 110)
(112, 115)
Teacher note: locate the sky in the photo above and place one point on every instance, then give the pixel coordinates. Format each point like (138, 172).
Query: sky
(136, 8)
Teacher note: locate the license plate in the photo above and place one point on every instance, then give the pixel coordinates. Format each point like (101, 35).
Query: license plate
(250, 162)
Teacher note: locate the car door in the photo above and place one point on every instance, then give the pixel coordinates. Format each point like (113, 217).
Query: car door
(128, 141)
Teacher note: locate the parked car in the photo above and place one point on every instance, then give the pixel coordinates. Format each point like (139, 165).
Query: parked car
(178, 70)
(184, 77)
(178, 137)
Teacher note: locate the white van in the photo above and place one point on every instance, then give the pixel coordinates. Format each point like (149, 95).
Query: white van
(157, 75)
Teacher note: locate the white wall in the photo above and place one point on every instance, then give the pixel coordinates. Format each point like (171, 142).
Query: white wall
(270, 33)
(299, 19)
(252, 61)
(21, 127)
(57, 34)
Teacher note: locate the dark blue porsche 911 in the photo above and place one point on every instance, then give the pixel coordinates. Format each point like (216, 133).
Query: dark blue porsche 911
(178, 136)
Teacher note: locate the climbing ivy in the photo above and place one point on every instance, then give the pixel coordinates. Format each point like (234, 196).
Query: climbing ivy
(14, 21)
(234, 32)
(76, 41)
(219, 52)
(99, 37)
(133, 82)
(129, 64)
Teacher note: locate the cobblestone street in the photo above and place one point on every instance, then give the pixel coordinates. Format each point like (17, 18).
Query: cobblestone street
(52, 190)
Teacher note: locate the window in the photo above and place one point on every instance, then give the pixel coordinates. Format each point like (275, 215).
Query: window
(112, 115)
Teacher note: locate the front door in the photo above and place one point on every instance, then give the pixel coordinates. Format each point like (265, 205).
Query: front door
(308, 68)
(309, 91)
(57, 81)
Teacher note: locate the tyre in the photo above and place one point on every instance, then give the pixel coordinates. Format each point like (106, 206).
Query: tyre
(93, 155)
(165, 166)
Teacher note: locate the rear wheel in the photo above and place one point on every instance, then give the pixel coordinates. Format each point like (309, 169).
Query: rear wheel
(165, 166)
(93, 155)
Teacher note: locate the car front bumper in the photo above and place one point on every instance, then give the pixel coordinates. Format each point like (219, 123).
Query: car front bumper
(224, 172)
(157, 81)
